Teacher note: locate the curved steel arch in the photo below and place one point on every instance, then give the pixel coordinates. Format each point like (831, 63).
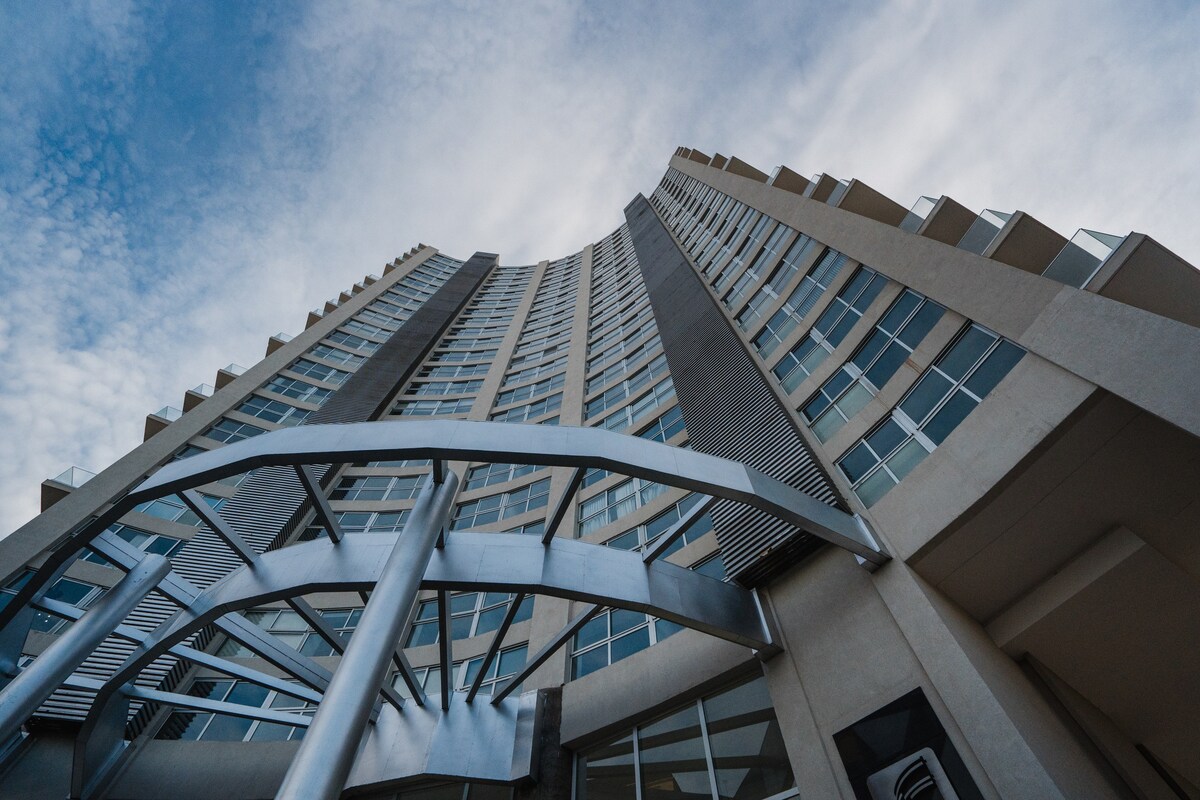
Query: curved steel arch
(482, 561)
(555, 446)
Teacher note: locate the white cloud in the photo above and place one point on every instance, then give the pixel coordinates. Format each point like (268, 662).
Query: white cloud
(523, 130)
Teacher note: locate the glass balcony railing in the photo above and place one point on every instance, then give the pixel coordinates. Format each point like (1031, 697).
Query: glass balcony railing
(234, 369)
(1082, 257)
(204, 389)
(983, 230)
(74, 477)
(918, 214)
(283, 337)
(169, 413)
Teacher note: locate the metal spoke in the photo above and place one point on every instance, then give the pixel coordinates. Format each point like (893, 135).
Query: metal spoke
(668, 538)
(560, 638)
(220, 527)
(320, 503)
(445, 646)
(494, 647)
(564, 502)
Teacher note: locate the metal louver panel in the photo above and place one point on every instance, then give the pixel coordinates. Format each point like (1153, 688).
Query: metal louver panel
(728, 406)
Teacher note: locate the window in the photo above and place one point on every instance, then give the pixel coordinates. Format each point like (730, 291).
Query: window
(800, 302)
(452, 356)
(378, 488)
(487, 510)
(291, 630)
(319, 372)
(229, 431)
(637, 410)
(65, 590)
(627, 387)
(455, 371)
(531, 390)
(172, 509)
(9, 591)
(635, 356)
(782, 275)
(486, 475)
(875, 361)
(535, 409)
(432, 408)
(942, 398)
(193, 725)
(471, 614)
(665, 427)
(146, 542)
(614, 634)
(298, 390)
(830, 328)
(613, 504)
(754, 273)
(734, 730)
(536, 371)
(444, 387)
(272, 411)
(643, 535)
(336, 355)
(371, 521)
(507, 663)
(352, 342)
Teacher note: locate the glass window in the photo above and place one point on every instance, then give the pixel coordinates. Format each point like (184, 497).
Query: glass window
(298, 390)
(612, 504)
(471, 614)
(941, 398)
(146, 542)
(194, 725)
(487, 510)
(736, 727)
(229, 431)
(830, 328)
(876, 360)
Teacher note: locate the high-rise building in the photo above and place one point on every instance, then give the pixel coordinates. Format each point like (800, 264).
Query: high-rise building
(781, 489)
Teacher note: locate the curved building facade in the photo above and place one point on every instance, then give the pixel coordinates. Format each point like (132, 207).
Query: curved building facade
(779, 490)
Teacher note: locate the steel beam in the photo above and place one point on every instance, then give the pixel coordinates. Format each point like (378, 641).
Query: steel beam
(326, 755)
(564, 502)
(320, 504)
(668, 538)
(498, 442)
(548, 649)
(494, 647)
(38, 681)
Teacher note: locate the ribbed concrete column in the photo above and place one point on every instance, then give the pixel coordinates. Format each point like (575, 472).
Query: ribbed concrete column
(331, 742)
(30, 689)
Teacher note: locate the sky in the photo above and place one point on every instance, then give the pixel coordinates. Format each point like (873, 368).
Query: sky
(179, 181)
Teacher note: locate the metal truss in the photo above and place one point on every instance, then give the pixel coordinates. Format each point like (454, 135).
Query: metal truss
(341, 750)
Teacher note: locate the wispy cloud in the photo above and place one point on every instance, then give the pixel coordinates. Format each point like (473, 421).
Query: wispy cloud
(163, 169)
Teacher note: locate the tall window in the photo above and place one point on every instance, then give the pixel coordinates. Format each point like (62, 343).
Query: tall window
(801, 301)
(229, 431)
(942, 398)
(471, 614)
(890, 344)
(830, 328)
(193, 725)
(613, 504)
(487, 510)
(726, 746)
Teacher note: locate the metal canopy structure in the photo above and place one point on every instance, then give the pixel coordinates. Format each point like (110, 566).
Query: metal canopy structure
(393, 568)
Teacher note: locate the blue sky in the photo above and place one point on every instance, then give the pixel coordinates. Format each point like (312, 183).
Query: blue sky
(179, 181)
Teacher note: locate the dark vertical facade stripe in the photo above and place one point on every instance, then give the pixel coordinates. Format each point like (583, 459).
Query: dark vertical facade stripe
(727, 405)
(270, 505)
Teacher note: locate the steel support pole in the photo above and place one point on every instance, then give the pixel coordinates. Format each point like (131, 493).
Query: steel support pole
(326, 755)
(38, 681)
